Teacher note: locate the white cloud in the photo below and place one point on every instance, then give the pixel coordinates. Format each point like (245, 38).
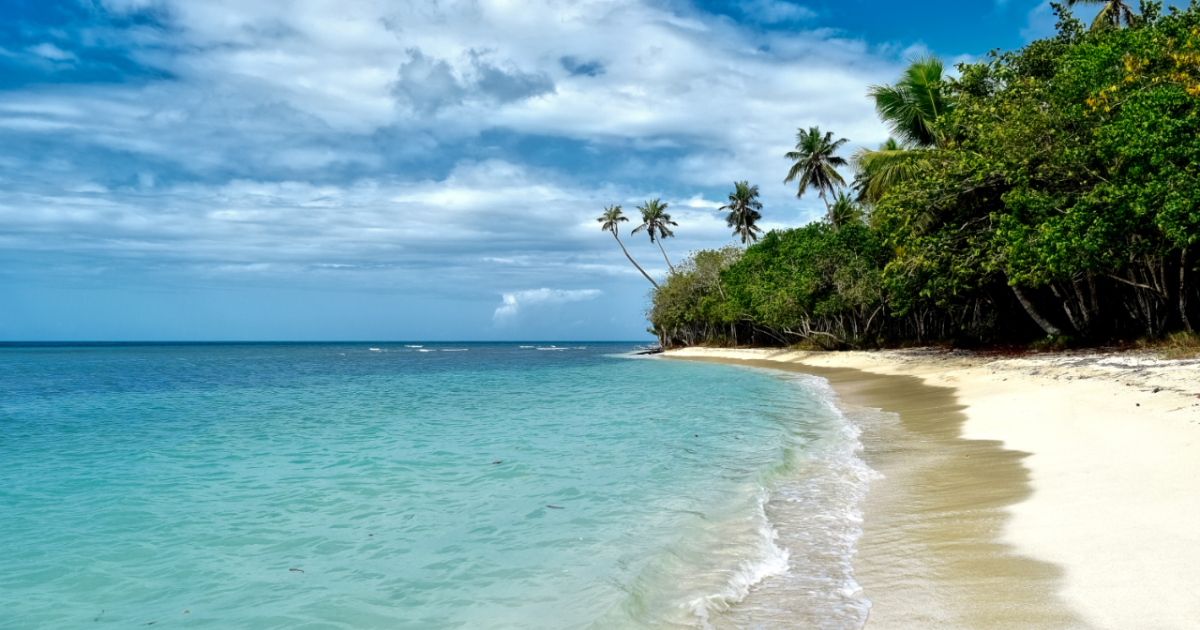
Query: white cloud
(488, 223)
(775, 11)
(52, 52)
(519, 301)
(273, 150)
(348, 64)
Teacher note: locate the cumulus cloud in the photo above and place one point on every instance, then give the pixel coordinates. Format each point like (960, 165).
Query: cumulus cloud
(427, 85)
(520, 301)
(509, 86)
(426, 147)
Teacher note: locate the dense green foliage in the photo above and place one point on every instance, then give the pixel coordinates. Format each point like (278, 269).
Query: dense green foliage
(1058, 194)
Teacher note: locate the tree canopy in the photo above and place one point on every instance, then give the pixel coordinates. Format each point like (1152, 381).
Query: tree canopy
(1052, 190)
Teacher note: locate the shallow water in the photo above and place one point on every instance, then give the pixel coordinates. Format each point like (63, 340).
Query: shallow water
(384, 486)
(930, 553)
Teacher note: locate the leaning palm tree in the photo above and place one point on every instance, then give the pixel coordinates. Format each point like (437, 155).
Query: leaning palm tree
(814, 162)
(1112, 14)
(744, 212)
(912, 106)
(611, 221)
(844, 211)
(656, 222)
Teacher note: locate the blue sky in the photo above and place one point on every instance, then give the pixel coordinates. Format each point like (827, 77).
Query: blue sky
(371, 169)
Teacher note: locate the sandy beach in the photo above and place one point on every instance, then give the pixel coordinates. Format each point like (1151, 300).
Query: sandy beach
(1055, 490)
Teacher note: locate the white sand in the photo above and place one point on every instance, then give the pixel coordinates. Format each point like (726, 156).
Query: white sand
(1115, 466)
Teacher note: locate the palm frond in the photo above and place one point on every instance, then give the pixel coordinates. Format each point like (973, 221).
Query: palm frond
(1105, 17)
(1113, 13)
(655, 220)
(743, 210)
(912, 106)
(831, 175)
(844, 211)
(879, 171)
(611, 219)
(814, 162)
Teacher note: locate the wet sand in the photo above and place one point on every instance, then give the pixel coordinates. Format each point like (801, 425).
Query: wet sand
(969, 530)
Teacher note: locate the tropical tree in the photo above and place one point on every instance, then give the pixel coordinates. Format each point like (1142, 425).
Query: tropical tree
(1046, 191)
(657, 223)
(814, 163)
(912, 106)
(611, 221)
(1112, 14)
(876, 171)
(744, 212)
(844, 211)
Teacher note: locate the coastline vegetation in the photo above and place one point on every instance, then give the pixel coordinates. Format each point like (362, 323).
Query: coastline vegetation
(1049, 193)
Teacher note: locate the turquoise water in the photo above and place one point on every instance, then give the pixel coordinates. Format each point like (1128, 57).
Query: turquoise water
(384, 486)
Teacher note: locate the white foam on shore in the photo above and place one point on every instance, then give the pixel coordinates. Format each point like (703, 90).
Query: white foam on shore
(779, 556)
(815, 516)
(771, 560)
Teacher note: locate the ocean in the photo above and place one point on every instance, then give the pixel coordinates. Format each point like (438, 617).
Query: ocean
(420, 486)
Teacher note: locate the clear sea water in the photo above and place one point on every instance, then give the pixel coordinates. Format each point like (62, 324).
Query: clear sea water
(479, 486)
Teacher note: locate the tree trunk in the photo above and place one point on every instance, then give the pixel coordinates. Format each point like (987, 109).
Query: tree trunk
(829, 212)
(639, 267)
(1075, 322)
(1183, 290)
(660, 248)
(1084, 309)
(1050, 329)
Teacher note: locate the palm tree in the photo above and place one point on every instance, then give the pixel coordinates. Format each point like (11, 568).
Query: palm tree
(844, 211)
(655, 222)
(913, 105)
(814, 162)
(911, 108)
(877, 171)
(1113, 13)
(611, 221)
(744, 212)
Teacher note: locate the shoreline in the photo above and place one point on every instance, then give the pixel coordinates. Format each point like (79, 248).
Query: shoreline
(1055, 490)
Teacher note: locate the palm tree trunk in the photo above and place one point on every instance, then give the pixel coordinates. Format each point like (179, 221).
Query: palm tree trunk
(660, 248)
(1050, 329)
(639, 267)
(828, 211)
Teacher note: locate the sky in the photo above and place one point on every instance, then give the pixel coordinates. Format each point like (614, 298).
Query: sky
(413, 170)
